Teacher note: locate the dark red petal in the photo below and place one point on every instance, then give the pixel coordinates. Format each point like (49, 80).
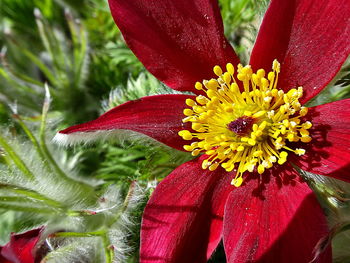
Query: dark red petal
(273, 219)
(159, 117)
(329, 151)
(2, 259)
(182, 221)
(179, 42)
(21, 247)
(311, 40)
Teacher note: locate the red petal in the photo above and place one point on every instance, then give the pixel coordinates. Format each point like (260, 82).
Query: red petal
(329, 151)
(311, 40)
(21, 246)
(179, 41)
(276, 219)
(159, 117)
(2, 259)
(182, 221)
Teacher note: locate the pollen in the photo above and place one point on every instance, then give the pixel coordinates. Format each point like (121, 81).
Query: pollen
(243, 122)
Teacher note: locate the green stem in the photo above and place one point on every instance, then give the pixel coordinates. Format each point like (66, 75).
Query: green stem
(34, 195)
(42, 138)
(125, 205)
(39, 210)
(103, 234)
(80, 234)
(15, 158)
(30, 136)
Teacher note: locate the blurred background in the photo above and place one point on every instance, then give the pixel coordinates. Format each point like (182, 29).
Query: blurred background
(64, 62)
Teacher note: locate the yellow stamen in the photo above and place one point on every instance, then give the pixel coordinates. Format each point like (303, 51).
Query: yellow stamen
(243, 122)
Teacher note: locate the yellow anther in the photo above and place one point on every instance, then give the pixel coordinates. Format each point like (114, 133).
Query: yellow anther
(291, 137)
(188, 112)
(198, 109)
(262, 125)
(258, 133)
(196, 126)
(218, 71)
(260, 73)
(198, 86)
(188, 148)
(267, 99)
(195, 152)
(283, 155)
(212, 84)
(241, 76)
(237, 181)
(293, 124)
(240, 148)
(306, 139)
(213, 166)
(276, 133)
(186, 135)
(211, 94)
(304, 132)
(283, 130)
(307, 125)
(233, 146)
(270, 114)
(261, 169)
(303, 111)
(252, 142)
(292, 93)
(281, 161)
(201, 100)
(276, 66)
(272, 159)
(256, 79)
(205, 164)
(230, 68)
(190, 102)
(264, 83)
(271, 76)
(300, 151)
(286, 123)
(227, 78)
(234, 88)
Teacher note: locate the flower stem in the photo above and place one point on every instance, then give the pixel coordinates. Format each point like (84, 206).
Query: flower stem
(42, 140)
(30, 136)
(15, 158)
(109, 251)
(32, 194)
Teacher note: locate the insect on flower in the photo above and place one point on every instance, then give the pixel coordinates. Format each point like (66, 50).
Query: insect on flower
(249, 123)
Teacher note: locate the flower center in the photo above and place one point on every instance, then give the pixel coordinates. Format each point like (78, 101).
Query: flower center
(241, 126)
(243, 122)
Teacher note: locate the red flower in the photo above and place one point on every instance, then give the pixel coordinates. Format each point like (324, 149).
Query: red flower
(273, 216)
(22, 247)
